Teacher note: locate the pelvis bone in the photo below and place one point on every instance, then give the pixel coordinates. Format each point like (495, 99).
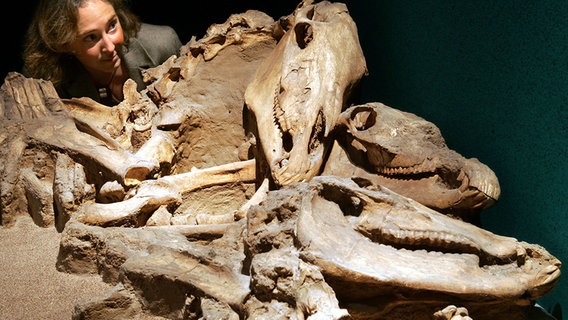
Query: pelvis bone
(300, 89)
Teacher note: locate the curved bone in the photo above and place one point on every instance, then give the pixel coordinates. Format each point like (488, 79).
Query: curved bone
(60, 132)
(160, 147)
(300, 89)
(96, 116)
(258, 197)
(151, 194)
(76, 126)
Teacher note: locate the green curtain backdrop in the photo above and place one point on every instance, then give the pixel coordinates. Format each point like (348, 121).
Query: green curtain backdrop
(493, 76)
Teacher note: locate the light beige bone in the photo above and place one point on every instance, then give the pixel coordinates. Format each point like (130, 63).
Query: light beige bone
(60, 132)
(452, 312)
(160, 147)
(372, 260)
(300, 89)
(79, 127)
(152, 194)
(409, 155)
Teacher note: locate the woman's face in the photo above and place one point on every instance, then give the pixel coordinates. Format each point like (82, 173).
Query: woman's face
(99, 37)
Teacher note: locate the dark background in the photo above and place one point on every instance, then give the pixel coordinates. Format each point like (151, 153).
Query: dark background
(491, 74)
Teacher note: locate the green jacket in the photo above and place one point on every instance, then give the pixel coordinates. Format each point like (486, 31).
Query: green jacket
(152, 46)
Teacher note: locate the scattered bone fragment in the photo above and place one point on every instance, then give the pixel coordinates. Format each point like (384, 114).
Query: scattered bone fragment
(160, 217)
(39, 194)
(160, 147)
(452, 313)
(111, 191)
(257, 198)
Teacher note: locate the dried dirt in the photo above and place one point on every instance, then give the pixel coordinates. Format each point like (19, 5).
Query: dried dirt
(30, 285)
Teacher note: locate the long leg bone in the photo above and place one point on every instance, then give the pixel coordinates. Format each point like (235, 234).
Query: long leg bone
(151, 194)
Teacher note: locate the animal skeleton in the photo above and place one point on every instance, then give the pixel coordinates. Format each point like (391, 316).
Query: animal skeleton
(308, 244)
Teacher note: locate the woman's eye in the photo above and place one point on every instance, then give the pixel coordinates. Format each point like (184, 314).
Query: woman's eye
(113, 25)
(90, 38)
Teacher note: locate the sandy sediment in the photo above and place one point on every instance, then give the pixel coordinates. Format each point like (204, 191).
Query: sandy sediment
(30, 285)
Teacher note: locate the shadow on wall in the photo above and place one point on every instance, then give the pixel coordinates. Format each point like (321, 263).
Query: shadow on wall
(557, 311)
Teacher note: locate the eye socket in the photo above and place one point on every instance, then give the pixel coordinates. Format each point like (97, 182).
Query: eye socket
(363, 118)
(304, 34)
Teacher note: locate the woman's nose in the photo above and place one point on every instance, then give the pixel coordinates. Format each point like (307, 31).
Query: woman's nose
(108, 44)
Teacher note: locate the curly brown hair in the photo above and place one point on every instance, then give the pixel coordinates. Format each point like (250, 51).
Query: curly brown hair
(54, 27)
